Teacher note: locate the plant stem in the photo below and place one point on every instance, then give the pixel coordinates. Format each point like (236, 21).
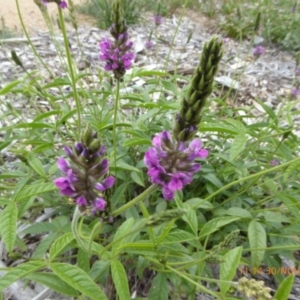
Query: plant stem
(71, 71)
(250, 177)
(136, 200)
(199, 286)
(115, 127)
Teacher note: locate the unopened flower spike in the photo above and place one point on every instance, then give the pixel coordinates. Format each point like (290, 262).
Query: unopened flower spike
(189, 117)
(117, 54)
(85, 178)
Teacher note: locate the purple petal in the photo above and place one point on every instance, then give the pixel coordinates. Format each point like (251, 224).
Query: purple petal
(81, 201)
(68, 192)
(203, 153)
(62, 183)
(100, 204)
(68, 151)
(167, 193)
(63, 165)
(63, 4)
(175, 184)
(109, 182)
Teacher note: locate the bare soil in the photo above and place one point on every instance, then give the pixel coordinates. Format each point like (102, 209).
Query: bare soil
(32, 16)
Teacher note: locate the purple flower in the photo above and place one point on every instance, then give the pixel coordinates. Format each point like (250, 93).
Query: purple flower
(106, 184)
(258, 50)
(149, 45)
(65, 186)
(157, 20)
(100, 204)
(85, 182)
(297, 72)
(295, 92)
(81, 201)
(117, 58)
(274, 162)
(61, 3)
(63, 165)
(171, 164)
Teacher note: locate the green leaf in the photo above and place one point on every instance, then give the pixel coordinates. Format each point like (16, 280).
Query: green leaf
(257, 239)
(39, 228)
(60, 244)
(120, 280)
(53, 282)
(9, 87)
(285, 288)
(8, 225)
(35, 189)
(159, 288)
(122, 231)
(215, 224)
(78, 279)
(229, 266)
(137, 142)
(141, 73)
(36, 164)
(239, 212)
(98, 269)
(168, 85)
(137, 177)
(268, 110)
(46, 115)
(148, 115)
(83, 260)
(124, 166)
(199, 203)
(191, 218)
(20, 271)
(237, 145)
(239, 126)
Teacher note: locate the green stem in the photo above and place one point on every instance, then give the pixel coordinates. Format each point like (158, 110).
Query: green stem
(74, 227)
(115, 126)
(175, 35)
(70, 64)
(274, 169)
(200, 287)
(136, 200)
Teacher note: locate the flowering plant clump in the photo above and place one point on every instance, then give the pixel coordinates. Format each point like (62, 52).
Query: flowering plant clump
(171, 164)
(60, 3)
(117, 54)
(85, 184)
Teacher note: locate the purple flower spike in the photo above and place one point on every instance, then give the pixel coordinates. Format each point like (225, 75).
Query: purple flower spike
(149, 45)
(295, 92)
(258, 50)
(297, 72)
(63, 4)
(157, 20)
(81, 201)
(83, 175)
(274, 162)
(63, 165)
(100, 204)
(171, 164)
